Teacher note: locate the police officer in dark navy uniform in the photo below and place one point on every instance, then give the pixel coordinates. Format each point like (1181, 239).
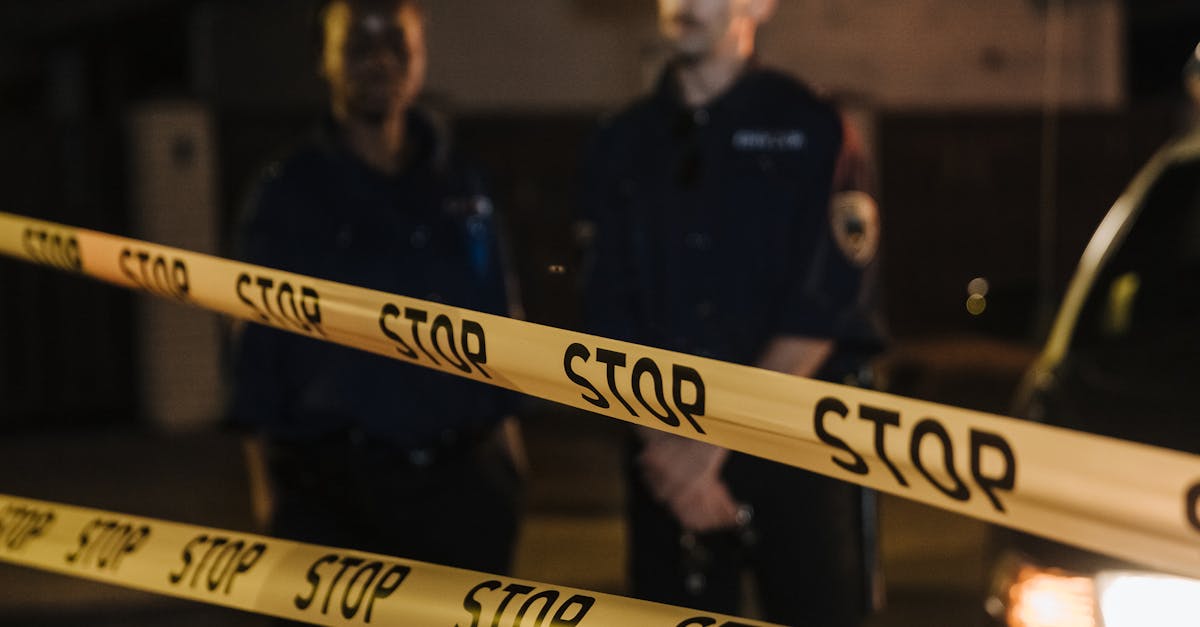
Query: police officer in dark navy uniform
(717, 232)
(364, 451)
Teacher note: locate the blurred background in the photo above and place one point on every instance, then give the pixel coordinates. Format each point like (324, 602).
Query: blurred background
(1001, 130)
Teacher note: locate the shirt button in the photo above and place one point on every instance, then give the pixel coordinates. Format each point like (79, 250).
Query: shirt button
(419, 237)
(698, 241)
(700, 117)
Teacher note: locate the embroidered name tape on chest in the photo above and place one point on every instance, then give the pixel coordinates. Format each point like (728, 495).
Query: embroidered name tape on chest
(761, 140)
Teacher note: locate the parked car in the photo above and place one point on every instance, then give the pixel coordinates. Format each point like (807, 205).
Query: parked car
(1122, 360)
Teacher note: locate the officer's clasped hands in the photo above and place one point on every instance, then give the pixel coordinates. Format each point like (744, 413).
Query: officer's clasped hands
(685, 475)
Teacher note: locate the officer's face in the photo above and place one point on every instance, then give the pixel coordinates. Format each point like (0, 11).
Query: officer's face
(695, 28)
(373, 57)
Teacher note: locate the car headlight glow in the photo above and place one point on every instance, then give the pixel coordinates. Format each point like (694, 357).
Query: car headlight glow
(1129, 599)
(1046, 598)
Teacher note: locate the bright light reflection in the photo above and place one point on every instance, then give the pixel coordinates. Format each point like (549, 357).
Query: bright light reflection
(1045, 599)
(1136, 600)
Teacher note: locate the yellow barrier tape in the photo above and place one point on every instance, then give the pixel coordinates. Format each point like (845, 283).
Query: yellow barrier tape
(1129, 500)
(305, 582)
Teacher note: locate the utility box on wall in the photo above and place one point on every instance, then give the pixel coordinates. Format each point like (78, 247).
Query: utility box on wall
(174, 191)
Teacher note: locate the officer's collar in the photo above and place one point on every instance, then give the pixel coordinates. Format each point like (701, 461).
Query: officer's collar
(669, 92)
(429, 138)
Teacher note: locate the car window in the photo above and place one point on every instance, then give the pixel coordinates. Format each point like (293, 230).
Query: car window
(1149, 285)
(1136, 347)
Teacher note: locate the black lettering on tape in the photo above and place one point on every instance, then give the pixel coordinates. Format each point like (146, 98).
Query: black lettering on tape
(245, 561)
(221, 564)
(350, 609)
(882, 418)
(1192, 503)
(391, 311)
(548, 598)
(613, 360)
(214, 544)
(155, 273)
(684, 374)
(568, 614)
(52, 248)
(265, 284)
(367, 582)
(179, 276)
(579, 351)
(980, 441)
(929, 426)
(474, 607)
(310, 303)
(513, 589)
(175, 578)
(442, 323)
(277, 303)
(582, 604)
(396, 575)
(314, 580)
(242, 281)
(419, 317)
(285, 289)
(830, 405)
(104, 543)
(1007, 480)
(471, 351)
(160, 274)
(83, 540)
(123, 263)
(20, 525)
(646, 366)
(478, 355)
(347, 563)
(643, 367)
(28, 240)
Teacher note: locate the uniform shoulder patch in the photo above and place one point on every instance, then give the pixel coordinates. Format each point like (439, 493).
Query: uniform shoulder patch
(854, 218)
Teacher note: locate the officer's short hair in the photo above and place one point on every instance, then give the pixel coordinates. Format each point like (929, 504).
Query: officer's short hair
(318, 20)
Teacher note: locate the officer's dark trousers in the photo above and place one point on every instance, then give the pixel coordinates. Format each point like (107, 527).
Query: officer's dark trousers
(459, 509)
(804, 548)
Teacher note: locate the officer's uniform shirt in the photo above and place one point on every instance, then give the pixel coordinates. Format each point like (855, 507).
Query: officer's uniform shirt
(713, 230)
(426, 233)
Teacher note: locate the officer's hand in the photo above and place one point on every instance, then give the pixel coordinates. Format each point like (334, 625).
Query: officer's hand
(671, 464)
(705, 506)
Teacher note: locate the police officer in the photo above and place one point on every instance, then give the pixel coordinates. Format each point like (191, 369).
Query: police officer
(716, 234)
(364, 451)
